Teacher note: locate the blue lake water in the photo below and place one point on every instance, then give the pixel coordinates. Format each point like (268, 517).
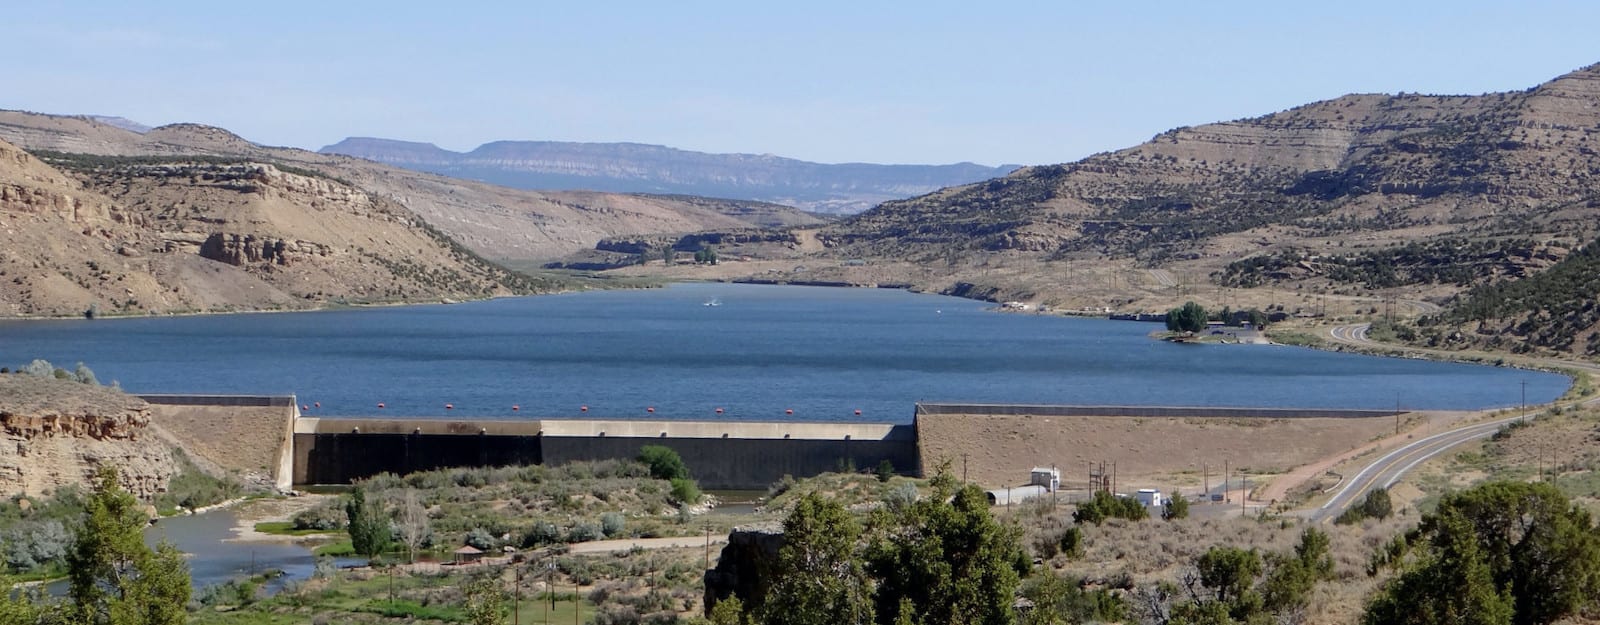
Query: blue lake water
(823, 353)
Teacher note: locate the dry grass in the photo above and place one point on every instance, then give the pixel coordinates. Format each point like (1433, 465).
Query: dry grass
(24, 394)
(236, 438)
(1124, 554)
(1153, 452)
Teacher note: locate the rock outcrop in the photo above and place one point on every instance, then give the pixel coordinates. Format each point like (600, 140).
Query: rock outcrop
(56, 433)
(744, 569)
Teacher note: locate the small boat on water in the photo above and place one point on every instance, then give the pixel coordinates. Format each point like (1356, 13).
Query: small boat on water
(712, 302)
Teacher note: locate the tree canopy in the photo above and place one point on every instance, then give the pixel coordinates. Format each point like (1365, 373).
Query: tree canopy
(1500, 552)
(1190, 317)
(115, 578)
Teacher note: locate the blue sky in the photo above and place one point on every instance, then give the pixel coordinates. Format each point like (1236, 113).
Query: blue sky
(925, 82)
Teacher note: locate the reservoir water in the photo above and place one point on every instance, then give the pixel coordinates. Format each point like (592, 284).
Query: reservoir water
(754, 351)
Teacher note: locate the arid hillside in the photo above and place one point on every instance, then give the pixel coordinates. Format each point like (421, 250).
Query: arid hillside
(1348, 202)
(496, 222)
(179, 233)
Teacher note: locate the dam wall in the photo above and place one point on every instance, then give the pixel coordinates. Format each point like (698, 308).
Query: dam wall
(1200, 412)
(721, 455)
(247, 434)
(267, 435)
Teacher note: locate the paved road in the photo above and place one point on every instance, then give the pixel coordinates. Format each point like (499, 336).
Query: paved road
(1162, 277)
(1386, 470)
(624, 544)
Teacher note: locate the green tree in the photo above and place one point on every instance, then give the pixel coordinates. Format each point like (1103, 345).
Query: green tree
(885, 470)
(485, 602)
(368, 525)
(1539, 550)
(1060, 600)
(1452, 584)
(1190, 317)
(114, 577)
(819, 579)
(1230, 572)
(1177, 507)
(729, 611)
(948, 555)
(1376, 505)
(1289, 584)
(664, 463)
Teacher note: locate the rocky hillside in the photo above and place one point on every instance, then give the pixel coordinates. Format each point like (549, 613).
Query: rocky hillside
(633, 167)
(496, 222)
(55, 433)
(1554, 310)
(1405, 195)
(180, 233)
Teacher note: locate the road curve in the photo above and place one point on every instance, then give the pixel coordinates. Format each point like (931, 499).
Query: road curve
(1388, 469)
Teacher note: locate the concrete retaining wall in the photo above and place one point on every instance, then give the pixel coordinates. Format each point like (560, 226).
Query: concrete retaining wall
(220, 400)
(1145, 411)
(722, 455)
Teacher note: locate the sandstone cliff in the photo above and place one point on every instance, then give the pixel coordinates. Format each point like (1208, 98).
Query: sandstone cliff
(495, 222)
(55, 433)
(1319, 200)
(184, 233)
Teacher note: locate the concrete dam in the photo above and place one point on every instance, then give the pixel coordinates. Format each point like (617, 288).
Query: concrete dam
(738, 455)
(720, 454)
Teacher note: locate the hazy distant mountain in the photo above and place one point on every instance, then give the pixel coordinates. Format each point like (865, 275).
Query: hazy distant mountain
(120, 122)
(638, 168)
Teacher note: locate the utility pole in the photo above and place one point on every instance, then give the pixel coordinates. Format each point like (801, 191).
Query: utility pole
(1205, 471)
(964, 467)
(1397, 413)
(708, 545)
(1224, 481)
(1523, 416)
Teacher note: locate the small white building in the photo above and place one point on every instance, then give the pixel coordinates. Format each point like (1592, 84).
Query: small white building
(1014, 494)
(1150, 497)
(1048, 477)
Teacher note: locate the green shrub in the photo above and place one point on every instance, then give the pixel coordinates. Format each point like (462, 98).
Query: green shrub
(1376, 506)
(584, 532)
(685, 491)
(1177, 508)
(885, 470)
(664, 463)
(542, 533)
(1104, 506)
(323, 517)
(612, 524)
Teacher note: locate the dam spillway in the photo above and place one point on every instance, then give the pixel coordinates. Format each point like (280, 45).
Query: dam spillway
(720, 454)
